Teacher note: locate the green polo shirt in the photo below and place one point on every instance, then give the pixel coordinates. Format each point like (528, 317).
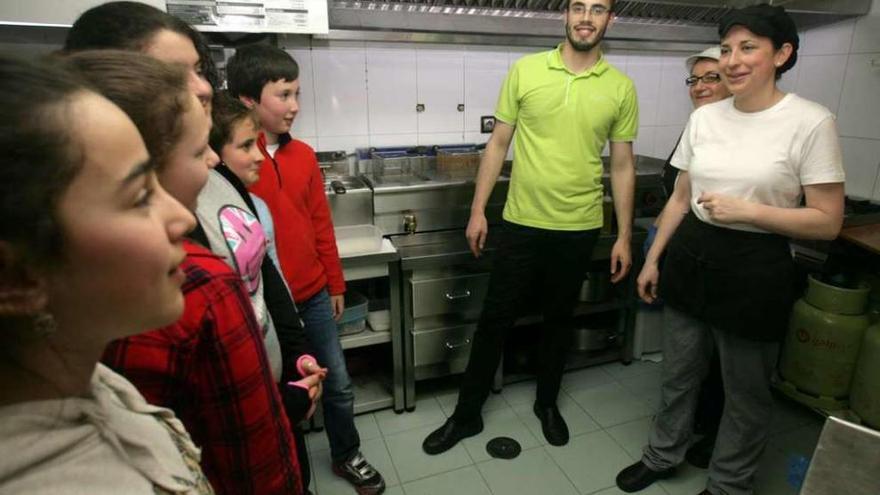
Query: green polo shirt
(562, 121)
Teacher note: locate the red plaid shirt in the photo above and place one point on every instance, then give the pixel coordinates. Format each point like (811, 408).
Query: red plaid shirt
(211, 369)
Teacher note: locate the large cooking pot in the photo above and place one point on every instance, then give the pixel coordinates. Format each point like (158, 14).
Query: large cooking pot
(593, 338)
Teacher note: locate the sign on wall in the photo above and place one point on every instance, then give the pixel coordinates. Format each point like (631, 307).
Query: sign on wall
(253, 16)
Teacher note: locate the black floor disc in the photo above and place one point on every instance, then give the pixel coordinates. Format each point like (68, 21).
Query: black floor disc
(503, 448)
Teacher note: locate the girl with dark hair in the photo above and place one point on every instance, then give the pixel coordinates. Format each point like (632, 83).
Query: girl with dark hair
(728, 278)
(140, 27)
(211, 366)
(83, 221)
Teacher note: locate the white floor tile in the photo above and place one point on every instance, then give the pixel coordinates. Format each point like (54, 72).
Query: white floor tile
(585, 378)
(632, 436)
(611, 404)
(448, 400)
(465, 481)
(591, 461)
(427, 412)
(412, 463)
(519, 393)
(532, 472)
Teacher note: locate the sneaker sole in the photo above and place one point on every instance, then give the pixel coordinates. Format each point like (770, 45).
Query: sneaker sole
(361, 489)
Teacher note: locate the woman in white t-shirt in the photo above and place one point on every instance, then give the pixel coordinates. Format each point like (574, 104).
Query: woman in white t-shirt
(90, 248)
(728, 278)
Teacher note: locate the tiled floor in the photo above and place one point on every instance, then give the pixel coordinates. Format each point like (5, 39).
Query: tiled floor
(608, 410)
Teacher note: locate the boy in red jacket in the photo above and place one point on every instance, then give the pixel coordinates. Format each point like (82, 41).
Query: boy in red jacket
(266, 79)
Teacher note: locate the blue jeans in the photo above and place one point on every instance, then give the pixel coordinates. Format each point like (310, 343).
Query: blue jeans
(338, 398)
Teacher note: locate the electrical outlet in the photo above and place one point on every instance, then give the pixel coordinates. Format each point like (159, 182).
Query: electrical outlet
(487, 124)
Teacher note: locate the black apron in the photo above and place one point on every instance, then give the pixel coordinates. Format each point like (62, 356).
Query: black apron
(739, 282)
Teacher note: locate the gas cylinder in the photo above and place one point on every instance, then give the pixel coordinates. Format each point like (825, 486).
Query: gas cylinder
(865, 394)
(822, 345)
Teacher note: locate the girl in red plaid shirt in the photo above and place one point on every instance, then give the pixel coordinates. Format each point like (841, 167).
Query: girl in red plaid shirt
(211, 366)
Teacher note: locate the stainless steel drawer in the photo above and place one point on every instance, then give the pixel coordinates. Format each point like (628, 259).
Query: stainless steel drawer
(444, 345)
(461, 294)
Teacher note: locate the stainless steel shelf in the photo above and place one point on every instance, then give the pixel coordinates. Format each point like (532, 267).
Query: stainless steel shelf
(365, 338)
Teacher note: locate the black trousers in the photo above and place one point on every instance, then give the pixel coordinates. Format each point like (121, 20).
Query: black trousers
(550, 264)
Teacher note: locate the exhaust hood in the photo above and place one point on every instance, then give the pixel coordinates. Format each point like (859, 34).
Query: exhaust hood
(528, 21)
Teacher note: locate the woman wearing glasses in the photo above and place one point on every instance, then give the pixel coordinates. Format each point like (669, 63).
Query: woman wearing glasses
(728, 278)
(704, 87)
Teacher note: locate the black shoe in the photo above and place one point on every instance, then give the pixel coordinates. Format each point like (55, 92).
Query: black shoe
(700, 453)
(552, 424)
(445, 437)
(364, 477)
(639, 476)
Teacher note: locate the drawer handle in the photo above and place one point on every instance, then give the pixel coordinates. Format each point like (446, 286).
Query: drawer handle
(463, 343)
(461, 295)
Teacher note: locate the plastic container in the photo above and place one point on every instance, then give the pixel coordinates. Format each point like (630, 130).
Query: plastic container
(865, 394)
(380, 321)
(354, 318)
(358, 239)
(824, 336)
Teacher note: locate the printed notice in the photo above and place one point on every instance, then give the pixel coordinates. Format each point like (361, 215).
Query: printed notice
(253, 16)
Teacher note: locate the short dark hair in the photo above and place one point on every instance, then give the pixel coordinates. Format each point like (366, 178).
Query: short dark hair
(155, 95)
(567, 4)
(131, 26)
(768, 21)
(226, 112)
(41, 155)
(254, 66)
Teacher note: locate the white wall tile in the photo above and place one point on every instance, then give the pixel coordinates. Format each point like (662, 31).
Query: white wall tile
(341, 89)
(833, 39)
(309, 140)
(517, 53)
(644, 143)
(476, 137)
(866, 36)
(304, 125)
(429, 138)
(859, 112)
(644, 71)
(340, 143)
(440, 89)
(379, 140)
(484, 73)
(821, 78)
(665, 139)
(391, 89)
(675, 104)
(789, 80)
(861, 159)
(619, 61)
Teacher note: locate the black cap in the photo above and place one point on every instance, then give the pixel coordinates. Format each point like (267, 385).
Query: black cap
(765, 20)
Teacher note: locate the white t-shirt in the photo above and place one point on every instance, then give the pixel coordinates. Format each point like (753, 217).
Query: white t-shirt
(109, 442)
(765, 156)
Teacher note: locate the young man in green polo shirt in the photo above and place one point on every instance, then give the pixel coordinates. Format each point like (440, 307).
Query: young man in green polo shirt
(564, 105)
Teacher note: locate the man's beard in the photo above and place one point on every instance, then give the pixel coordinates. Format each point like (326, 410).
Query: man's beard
(583, 46)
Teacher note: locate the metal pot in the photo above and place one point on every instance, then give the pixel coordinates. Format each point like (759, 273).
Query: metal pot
(593, 339)
(595, 287)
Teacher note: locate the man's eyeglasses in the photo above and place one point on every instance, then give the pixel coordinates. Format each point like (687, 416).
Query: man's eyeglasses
(707, 78)
(596, 10)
